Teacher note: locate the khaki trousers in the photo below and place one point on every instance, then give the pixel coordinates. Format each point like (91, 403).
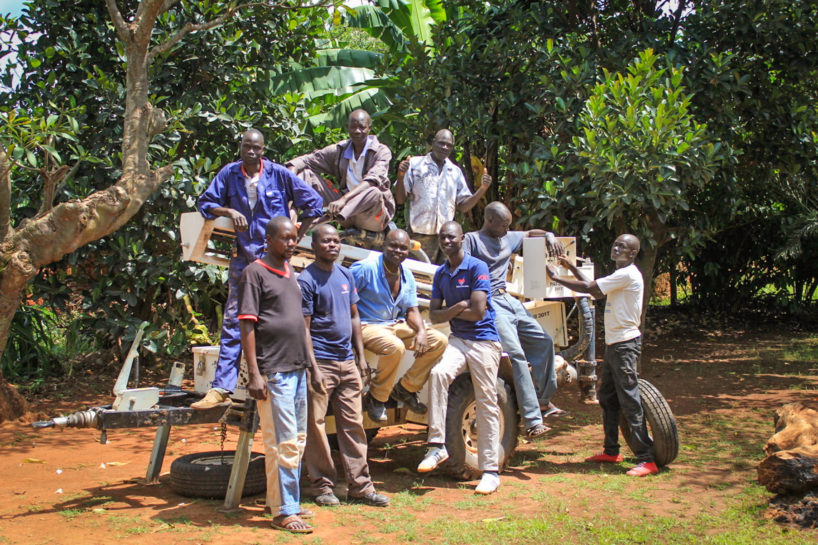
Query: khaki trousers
(343, 384)
(390, 342)
(482, 358)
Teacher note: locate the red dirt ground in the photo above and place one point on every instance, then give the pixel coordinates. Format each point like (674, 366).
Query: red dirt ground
(62, 486)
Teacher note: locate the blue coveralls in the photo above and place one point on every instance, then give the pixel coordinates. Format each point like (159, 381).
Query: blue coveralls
(277, 187)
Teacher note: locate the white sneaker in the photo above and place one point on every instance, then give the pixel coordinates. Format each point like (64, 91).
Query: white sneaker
(488, 484)
(434, 457)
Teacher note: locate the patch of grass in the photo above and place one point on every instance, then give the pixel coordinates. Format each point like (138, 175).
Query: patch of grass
(71, 513)
(804, 349)
(129, 525)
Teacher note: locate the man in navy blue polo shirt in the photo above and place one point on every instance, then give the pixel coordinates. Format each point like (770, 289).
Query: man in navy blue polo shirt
(463, 284)
(329, 304)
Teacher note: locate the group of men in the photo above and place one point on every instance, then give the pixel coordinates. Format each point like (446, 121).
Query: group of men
(325, 319)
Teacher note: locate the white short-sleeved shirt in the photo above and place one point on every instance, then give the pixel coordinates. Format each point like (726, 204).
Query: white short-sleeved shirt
(434, 193)
(623, 309)
(355, 168)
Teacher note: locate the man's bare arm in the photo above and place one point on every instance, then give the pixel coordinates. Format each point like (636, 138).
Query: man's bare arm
(438, 314)
(468, 204)
(476, 308)
(256, 385)
(579, 283)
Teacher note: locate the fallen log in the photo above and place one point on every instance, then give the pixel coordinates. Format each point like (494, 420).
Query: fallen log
(791, 465)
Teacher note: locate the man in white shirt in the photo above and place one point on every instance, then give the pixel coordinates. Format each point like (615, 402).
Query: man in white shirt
(436, 188)
(619, 388)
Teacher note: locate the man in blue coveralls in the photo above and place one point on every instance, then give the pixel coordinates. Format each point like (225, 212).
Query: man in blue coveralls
(250, 192)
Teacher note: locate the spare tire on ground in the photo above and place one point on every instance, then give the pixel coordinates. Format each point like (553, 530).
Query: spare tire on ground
(461, 432)
(661, 424)
(206, 474)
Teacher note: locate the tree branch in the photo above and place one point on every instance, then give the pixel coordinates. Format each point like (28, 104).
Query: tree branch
(677, 17)
(190, 27)
(119, 23)
(50, 186)
(166, 6)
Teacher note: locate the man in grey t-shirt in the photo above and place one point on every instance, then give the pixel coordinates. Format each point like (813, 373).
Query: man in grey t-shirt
(521, 335)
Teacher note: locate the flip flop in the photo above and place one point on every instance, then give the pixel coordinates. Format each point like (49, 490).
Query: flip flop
(553, 411)
(537, 431)
(304, 513)
(290, 524)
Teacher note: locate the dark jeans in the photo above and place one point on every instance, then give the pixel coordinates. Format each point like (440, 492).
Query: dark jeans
(619, 392)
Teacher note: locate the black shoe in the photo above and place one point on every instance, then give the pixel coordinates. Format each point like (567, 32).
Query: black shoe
(375, 409)
(327, 500)
(373, 498)
(410, 399)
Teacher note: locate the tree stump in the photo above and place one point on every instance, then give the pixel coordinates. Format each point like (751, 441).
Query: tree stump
(791, 465)
(12, 404)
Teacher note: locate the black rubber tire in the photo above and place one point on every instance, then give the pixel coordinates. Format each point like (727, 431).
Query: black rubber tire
(419, 255)
(202, 475)
(461, 436)
(661, 425)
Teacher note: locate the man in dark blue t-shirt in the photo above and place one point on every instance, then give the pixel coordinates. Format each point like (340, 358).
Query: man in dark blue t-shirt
(329, 305)
(463, 284)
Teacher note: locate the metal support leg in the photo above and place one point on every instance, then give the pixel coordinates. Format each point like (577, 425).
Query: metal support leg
(241, 462)
(160, 443)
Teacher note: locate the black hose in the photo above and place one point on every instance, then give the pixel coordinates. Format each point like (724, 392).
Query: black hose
(586, 331)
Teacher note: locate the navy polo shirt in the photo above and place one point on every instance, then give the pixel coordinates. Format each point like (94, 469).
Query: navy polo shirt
(455, 286)
(328, 297)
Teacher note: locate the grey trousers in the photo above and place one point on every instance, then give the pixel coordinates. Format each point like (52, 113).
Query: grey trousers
(482, 358)
(619, 394)
(343, 384)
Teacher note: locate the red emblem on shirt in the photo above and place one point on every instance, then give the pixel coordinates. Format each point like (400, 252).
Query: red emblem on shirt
(461, 281)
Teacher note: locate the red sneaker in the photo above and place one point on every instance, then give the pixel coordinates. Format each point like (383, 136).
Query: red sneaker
(605, 458)
(645, 468)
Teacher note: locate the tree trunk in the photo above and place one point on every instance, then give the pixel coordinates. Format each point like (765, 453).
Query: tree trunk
(674, 274)
(645, 262)
(69, 225)
(791, 465)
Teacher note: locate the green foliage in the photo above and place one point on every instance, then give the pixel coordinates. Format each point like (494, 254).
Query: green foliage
(41, 344)
(512, 80)
(66, 60)
(753, 74)
(643, 152)
(341, 79)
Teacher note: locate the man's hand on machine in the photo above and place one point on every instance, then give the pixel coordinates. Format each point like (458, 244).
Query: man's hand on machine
(553, 246)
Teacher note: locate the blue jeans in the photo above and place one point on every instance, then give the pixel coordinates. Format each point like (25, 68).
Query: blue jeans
(227, 368)
(283, 419)
(525, 342)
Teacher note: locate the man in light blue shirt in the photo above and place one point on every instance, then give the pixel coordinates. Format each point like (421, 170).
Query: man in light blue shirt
(391, 324)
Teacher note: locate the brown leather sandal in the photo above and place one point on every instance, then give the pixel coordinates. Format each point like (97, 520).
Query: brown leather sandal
(291, 523)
